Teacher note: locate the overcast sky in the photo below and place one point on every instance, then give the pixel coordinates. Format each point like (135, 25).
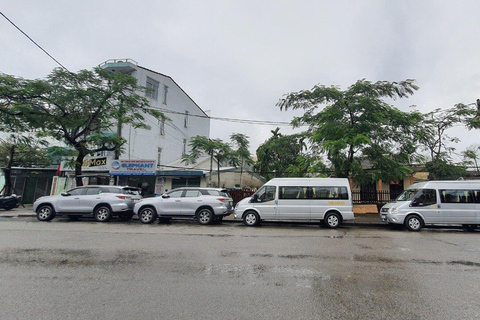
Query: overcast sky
(236, 59)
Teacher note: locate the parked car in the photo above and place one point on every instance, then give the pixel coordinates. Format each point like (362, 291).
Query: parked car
(101, 202)
(204, 204)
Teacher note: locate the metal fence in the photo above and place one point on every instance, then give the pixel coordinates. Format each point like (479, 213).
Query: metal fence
(238, 195)
(374, 197)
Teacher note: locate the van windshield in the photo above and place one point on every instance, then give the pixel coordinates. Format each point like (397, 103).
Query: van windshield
(407, 195)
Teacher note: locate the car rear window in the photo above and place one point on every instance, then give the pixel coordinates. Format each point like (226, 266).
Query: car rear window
(112, 190)
(133, 192)
(213, 192)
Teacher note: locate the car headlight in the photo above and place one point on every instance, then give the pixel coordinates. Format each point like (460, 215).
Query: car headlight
(394, 210)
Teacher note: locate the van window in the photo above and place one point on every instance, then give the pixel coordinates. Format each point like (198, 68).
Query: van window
(425, 197)
(266, 193)
(291, 192)
(407, 195)
(330, 193)
(457, 196)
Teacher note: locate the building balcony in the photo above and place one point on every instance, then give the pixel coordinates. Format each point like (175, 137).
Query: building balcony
(119, 65)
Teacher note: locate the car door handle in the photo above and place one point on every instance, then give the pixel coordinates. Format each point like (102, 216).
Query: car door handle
(177, 200)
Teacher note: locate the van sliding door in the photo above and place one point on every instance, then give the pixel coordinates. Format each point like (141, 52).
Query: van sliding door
(293, 203)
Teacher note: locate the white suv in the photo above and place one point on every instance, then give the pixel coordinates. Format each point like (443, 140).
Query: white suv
(204, 204)
(101, 202)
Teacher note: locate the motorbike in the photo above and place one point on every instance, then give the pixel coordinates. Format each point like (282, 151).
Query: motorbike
(9, 202)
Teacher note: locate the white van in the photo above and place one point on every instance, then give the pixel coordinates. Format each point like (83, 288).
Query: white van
(325, 199)
(435, 202)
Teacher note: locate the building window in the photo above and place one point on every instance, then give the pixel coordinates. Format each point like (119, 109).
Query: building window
(152, 88)
(161, 124)
(159, 156)
(165, 92)
(184, 146)
(185, 121)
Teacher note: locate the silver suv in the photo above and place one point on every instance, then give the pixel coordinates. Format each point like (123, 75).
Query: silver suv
(204, 204)
(101, 202)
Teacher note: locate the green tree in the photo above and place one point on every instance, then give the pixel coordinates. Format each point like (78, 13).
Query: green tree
(359, 132)
(80, 109)
(216, 149)
(433, 137)
(19, 147)
(276, 155)
(242, 156)
(21, 151)
(444, 170)
(471, 156)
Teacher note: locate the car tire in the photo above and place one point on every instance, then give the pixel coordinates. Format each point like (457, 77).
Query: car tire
(74, 217)
(413, 223)
(205, 216)
(125, 216)
(45, 212)
(147, 215)
(251, 219)
(103, 213)
(332, 220)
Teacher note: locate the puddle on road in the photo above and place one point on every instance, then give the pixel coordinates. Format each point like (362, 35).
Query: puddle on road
(71, 258)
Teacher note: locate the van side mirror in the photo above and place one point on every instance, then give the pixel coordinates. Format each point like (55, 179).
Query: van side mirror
(65, 194)
(165, 196)
(255, 198)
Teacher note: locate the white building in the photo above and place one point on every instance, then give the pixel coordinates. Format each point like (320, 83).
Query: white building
(167, 140)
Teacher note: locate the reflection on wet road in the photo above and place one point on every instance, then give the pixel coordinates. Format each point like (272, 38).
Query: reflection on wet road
(182, 270)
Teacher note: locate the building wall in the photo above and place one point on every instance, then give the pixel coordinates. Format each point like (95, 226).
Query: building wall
(144, 144)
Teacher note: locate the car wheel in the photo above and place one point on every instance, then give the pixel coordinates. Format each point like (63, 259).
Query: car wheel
(103, 213)
(251, 219)
(45, 213)
(413, 223)
(73, 217)
(332, 220)
(147, 215)
(125, 216)
(205, 216)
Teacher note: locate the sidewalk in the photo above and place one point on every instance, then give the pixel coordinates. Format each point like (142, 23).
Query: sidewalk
(21, 211)
(360, 219)
(27, 211)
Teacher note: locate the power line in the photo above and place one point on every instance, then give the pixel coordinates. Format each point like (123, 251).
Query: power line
(246, 121)
(26, 35)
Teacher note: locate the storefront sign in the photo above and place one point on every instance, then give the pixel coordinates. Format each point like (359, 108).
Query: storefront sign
(95, 163)
(133, 167)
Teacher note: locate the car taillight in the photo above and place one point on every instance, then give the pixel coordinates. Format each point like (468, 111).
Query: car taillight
(121, 197)
(222, 199)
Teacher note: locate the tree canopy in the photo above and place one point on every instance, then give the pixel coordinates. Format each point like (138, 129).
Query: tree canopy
(359, 132)
(279, 156)
(80, 109)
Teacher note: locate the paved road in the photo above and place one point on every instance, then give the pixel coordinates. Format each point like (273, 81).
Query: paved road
(89, 270)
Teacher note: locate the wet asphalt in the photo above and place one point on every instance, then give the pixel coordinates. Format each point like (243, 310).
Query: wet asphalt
(181, 270)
